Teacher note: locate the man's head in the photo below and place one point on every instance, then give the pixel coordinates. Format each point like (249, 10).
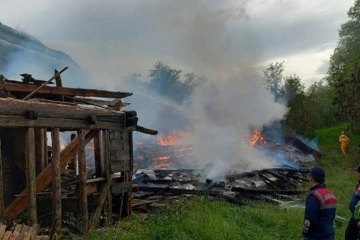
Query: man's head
(317, 175)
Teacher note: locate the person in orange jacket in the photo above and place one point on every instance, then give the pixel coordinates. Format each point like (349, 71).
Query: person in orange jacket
(344, 141)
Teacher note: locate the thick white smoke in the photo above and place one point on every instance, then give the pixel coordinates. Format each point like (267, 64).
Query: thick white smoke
(224, 111)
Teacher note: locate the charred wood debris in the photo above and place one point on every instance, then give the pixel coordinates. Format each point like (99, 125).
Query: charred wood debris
(281, 184)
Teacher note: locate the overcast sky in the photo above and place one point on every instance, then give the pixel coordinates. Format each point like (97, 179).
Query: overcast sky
(111, 39)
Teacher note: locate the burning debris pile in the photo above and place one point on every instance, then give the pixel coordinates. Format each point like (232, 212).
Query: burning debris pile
(169, 152)
(160, 171)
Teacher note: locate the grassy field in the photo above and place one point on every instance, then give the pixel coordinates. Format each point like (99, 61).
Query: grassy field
(201, 218)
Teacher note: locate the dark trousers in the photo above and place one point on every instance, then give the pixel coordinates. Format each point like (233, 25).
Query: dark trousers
(352, 231)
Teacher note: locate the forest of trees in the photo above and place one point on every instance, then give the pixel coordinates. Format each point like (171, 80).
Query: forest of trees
(328, 101)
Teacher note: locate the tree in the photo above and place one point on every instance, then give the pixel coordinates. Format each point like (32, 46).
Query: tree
(301, 117)
(323, 98)
(344, 71)
(167, 81)
(274, 79)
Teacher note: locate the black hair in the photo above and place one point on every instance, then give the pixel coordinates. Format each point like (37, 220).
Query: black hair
(319, 179)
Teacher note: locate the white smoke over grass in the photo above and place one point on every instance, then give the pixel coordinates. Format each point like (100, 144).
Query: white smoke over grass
(224, 112)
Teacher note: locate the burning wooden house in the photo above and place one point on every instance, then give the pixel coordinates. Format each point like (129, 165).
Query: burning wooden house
(34, 174)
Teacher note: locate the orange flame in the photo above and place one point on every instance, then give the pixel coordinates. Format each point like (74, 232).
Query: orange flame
(162, 165)
(171, 139)
(257, 138)
(162, 158)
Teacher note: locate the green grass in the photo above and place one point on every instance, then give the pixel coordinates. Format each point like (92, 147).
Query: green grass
(201, 218)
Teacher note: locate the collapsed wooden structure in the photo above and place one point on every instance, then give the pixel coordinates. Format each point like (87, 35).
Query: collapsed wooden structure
(32, 173)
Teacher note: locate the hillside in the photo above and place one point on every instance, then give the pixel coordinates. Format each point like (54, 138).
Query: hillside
(22, 53)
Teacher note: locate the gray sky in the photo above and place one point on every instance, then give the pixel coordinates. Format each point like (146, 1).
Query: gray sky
(111, 39)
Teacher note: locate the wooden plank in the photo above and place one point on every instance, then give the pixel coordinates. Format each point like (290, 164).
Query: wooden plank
(120, 166)
(40, 149)
(18, 228)
(44, 178)
(62, 123)
(58, 82)
(2, 206)
(14, 235)
(56, 181)
(100, 102)
(128, 177)
(99, 164)
(117, 135)
(27, 88)
(103, 196)
(31, 176)
(16, 107)
(120, 188)
(119, 145)
(24, 233)
(120, 155)
(106, 159)
(33, 231)
(7, 235)
(2, 230)
(83, 203)
(54, 235)
(143, 130)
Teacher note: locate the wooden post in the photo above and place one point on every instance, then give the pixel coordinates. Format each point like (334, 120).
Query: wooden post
(44, 179)
(56, 182)
(106, 160)
(83, 203)
(31, 176)
(130, 173)
(58, 82)
(40, 149)
(74, 164)
(99, 164)
(2, 209)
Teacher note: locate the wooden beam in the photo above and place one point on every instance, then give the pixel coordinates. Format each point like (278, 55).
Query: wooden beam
(58, 82)
(40, 149)
(99, 164)
(106, 159)
(128, 176)
(9, 106)
(28, 88)
(44, 178)
(2, 207)
(7, 121)
(83, 203)
(108, 103)
(31, 176)
(56, 181)
(103, 197)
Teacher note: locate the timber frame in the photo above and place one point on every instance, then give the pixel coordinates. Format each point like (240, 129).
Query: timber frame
(47, 113)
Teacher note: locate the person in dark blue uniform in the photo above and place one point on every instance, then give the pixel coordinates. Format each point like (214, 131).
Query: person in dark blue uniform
(320, 209)
(353, 227)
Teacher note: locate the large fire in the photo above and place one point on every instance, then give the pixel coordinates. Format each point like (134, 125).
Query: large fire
(168, 151)
(171, 139)
(257, 138)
